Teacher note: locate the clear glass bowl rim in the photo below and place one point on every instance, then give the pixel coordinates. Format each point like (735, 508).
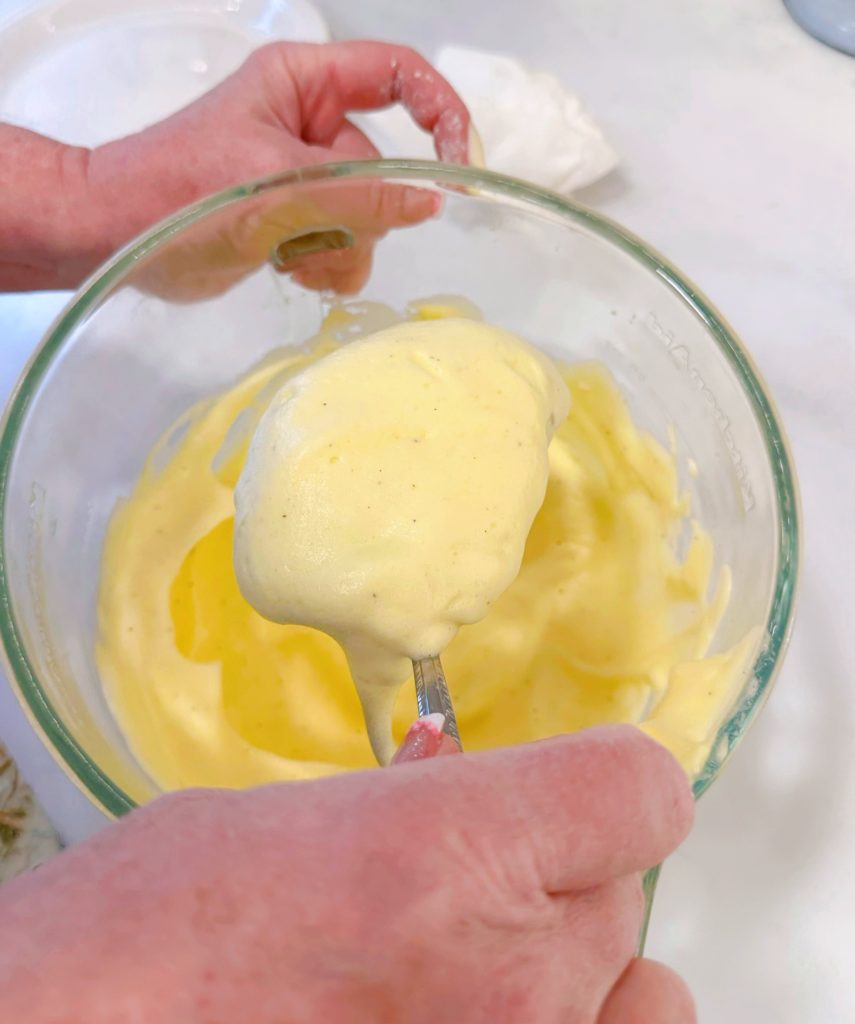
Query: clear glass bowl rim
(80, 768)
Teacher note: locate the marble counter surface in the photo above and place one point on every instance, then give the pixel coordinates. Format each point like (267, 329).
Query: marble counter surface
(737, 135)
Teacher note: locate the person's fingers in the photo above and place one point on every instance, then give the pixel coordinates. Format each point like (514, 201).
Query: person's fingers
(221, 250)
(648, 993)
(425, 738)
(352, 144)
(606, 919)
(333, 79)
(561, 814)
(20, 277)
(344, 272)
(368, 209)
(604, 922)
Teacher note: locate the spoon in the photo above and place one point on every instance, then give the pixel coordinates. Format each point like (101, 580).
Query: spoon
(432, 694)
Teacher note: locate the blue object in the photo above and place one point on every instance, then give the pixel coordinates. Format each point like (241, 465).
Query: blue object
(830, 21)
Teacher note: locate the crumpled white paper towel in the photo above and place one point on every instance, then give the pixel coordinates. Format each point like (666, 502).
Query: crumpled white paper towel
(530, 125)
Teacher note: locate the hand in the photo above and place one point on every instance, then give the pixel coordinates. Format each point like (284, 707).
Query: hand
(286, 107)
(210, 256)
(498, 887)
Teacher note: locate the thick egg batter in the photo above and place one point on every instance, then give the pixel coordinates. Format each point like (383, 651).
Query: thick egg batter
(604, 622)
(389, 491)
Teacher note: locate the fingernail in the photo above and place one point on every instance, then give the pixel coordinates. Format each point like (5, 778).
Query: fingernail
(424, 739)
(476, 148)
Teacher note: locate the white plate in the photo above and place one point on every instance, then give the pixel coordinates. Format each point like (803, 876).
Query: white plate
(85, 71)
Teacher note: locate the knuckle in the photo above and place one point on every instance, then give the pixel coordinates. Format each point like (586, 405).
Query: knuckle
(270, 59)
(263, 55)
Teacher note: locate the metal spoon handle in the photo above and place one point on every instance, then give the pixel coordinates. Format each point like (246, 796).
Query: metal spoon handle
(432, 694)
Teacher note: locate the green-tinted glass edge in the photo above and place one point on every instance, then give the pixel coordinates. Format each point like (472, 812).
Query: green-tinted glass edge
(779, 624)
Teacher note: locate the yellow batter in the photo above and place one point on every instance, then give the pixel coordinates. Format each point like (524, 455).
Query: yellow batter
(389, 490)
(603, 622)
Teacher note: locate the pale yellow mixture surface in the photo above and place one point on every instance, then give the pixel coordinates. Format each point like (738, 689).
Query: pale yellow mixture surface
(389, 490)
(602, 623)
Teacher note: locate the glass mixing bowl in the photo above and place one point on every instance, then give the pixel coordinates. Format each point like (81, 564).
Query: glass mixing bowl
(192, 305)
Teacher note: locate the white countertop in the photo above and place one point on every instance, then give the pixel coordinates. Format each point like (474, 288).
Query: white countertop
(737, 134)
